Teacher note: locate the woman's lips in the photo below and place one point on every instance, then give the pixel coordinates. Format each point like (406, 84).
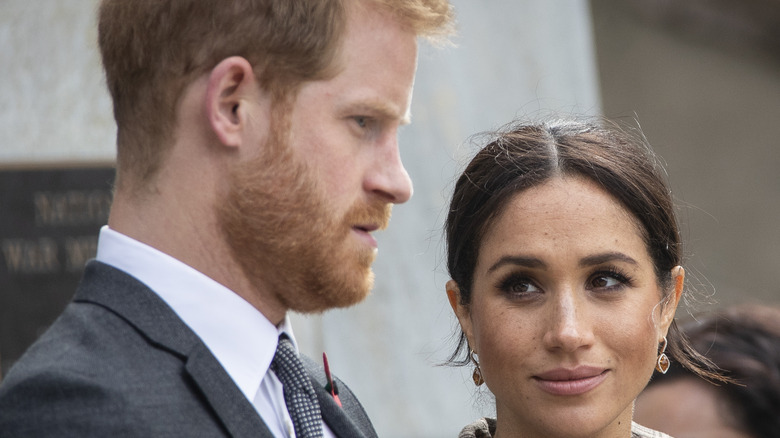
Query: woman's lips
(576, 381)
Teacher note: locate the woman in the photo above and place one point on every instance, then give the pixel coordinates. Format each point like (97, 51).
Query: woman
(744, 341)
(565, 256)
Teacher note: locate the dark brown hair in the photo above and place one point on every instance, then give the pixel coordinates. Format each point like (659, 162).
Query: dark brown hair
(522, 156)
(152, 49)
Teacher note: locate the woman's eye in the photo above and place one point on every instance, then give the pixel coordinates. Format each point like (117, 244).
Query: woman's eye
(604, 282)
(518, 286)
(609, 280)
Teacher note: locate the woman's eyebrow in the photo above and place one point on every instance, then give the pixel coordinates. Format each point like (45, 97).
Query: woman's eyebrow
(591, 260)
(598, 259)
(528, 262)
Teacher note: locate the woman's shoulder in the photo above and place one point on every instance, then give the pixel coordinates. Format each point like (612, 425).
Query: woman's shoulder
(486, 428)
(482, 428)
(639, 431)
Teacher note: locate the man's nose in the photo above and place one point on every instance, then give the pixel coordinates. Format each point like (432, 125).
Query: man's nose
(388, 177)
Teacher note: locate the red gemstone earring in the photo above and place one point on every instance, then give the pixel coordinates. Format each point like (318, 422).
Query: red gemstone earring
(662, 364)
(477, 375)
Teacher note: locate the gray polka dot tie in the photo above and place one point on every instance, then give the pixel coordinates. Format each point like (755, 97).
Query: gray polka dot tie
(298, 393)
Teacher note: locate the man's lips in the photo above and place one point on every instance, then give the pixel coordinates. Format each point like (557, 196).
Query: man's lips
(367, 228)
(364, 231)
(571, 381)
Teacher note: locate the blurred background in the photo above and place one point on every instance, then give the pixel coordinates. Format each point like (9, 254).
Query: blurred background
(702, 78)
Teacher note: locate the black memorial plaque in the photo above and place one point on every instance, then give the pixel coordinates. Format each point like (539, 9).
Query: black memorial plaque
(49, 223)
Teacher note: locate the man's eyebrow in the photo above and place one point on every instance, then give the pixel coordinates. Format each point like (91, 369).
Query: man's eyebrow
(598, 259)
(376, 108)
(528, 262)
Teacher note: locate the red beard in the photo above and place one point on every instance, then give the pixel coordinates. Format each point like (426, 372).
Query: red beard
(286, 239)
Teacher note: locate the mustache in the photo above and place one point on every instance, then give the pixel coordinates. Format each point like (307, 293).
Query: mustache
(376, 212)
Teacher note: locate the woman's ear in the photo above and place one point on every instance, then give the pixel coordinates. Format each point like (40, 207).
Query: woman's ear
(453, 295)
(231, 87)
(461, 310)
(673, 299)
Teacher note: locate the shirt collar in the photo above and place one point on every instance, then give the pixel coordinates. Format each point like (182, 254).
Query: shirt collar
(241, 338)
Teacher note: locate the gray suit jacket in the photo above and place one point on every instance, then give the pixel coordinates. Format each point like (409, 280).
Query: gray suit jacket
(118, 362)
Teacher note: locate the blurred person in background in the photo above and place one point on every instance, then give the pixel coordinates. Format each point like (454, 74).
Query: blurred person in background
(744, 342)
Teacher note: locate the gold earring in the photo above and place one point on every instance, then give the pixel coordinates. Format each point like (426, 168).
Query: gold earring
(477, 375)
(662, 364)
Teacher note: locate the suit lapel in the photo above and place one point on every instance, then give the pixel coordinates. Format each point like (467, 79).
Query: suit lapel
(238, 415)
(340, 420)
(151, 316)
(335, 417)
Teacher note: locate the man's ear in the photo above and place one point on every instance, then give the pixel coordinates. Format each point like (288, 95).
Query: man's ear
(461, 311)
(231, 87)
(672, 300)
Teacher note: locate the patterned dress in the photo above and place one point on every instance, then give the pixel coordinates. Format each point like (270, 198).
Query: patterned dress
(486, 427)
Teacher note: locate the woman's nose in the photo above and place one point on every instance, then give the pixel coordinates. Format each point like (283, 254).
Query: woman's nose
(569, 327)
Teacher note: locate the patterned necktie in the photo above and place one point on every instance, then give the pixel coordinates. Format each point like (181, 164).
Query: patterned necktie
(298, 393)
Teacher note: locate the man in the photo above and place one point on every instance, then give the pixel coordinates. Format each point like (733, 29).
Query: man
(257, 153)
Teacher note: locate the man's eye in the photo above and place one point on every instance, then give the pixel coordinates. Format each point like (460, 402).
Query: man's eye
(361, 121)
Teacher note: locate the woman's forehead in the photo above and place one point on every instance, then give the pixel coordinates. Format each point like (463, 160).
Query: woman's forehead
(563, 214)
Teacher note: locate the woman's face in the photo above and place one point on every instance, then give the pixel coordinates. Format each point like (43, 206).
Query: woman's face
(565, 315)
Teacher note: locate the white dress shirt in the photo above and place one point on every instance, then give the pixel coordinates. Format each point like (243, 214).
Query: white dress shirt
(241, 338)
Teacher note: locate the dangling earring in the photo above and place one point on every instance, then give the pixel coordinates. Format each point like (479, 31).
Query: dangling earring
(477, 376)
(662, 364)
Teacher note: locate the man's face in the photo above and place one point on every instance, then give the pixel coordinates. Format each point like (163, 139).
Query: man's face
(299, 217)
